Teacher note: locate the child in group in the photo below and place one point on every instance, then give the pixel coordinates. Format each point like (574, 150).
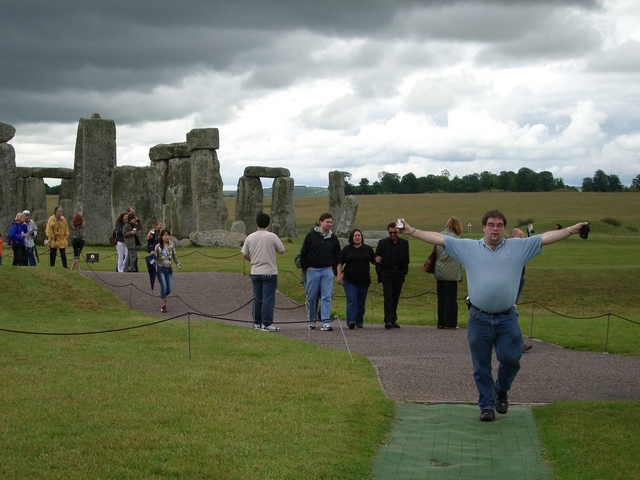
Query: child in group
(77, 225)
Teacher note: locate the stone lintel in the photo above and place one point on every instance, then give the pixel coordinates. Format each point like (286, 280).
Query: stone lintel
(266, 172)
(44, 172)
(168, 151)
(199, 138)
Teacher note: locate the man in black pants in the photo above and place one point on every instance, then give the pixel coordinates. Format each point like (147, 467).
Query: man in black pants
(392, 258)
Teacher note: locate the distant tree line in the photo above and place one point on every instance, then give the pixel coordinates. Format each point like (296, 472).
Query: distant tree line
(55, 190)
(601, 182)
(524, 180)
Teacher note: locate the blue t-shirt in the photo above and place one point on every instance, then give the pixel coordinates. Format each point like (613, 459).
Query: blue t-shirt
(493, 276)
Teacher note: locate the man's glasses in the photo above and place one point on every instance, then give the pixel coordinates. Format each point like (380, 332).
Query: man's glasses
(495, 225)
(393, 233)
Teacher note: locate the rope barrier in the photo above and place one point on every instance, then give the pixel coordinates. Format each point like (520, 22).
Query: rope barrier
(224, 316)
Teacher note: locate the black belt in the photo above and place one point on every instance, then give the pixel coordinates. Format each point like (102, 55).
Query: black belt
(495, 314)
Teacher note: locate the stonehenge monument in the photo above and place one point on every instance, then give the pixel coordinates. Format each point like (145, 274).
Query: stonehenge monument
(249, 200)
(182, 187)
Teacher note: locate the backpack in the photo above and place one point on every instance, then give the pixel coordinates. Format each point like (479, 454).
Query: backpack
(114, 238)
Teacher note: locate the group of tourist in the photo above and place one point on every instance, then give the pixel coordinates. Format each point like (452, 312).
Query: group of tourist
(21, 238)
(127, 229)
(320, 259)
(57, 232)
(127, 240)
(495, 273)
(23, 232)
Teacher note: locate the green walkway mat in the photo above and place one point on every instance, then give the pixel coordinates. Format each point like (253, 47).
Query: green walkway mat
(449, 441)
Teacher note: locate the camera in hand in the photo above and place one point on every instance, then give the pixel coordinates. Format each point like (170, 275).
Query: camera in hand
(584, 231)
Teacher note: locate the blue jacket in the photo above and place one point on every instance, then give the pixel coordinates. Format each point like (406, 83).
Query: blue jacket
(16, 231)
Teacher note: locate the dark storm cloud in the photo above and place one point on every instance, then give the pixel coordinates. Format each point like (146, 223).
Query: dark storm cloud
(368, 85)
(56, 52)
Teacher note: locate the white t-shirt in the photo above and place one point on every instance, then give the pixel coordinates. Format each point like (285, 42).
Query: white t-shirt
(262, 247)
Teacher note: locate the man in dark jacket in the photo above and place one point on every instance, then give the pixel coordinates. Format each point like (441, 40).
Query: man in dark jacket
(319, 255)
(392, 256)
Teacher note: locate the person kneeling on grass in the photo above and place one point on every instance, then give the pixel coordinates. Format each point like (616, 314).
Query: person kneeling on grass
(164, 252)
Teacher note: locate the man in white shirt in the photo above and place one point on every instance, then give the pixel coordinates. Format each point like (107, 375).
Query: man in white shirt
(260, 249)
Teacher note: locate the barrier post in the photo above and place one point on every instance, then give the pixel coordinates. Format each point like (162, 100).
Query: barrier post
(533, 303)
(606, 341)
(189, 332)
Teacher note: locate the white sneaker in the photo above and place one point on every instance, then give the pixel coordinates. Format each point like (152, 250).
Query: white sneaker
(326, 327)
(257, 326)
(270, 328)
(312, 325)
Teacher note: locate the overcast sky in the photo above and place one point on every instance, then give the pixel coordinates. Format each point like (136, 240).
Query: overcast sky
(318, 85)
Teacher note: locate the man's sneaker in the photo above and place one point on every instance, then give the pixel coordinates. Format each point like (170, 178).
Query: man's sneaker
(526, 347)
(394, 325)
(487, 415)
(269, 328)
(352, 325)
(312, 325)
(502, 405)
(326, 327)
(257, 326)
(163, 309)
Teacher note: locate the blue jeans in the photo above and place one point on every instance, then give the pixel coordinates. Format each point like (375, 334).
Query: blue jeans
(356, 301)
(165, 279)
(484, 332)
(264, 298)
(31, 256)
(319, 287)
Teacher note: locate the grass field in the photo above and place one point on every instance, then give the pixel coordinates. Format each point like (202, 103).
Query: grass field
(570, 283)
(133, 406)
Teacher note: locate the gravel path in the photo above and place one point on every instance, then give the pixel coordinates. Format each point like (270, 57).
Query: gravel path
(415, 363)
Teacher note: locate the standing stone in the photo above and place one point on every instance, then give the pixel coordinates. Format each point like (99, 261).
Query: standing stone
(31, 194)
(95, 159)
(208, 196)
(283, 212)
(137, 187)
(8, 204)
(173, 162)
(342, 208)
(166, 217)
(179, 194)
(66, 190)
(249, 202)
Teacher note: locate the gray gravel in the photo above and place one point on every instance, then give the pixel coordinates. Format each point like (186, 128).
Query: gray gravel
(414, 363)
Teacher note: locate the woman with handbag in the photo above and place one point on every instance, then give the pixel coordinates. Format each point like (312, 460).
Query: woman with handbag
(448, 273)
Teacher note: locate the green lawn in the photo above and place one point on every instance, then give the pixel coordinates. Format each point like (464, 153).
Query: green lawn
(132, 404)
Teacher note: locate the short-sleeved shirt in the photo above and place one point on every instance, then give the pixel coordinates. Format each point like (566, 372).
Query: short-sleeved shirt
(493, 276)
(262, 247)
